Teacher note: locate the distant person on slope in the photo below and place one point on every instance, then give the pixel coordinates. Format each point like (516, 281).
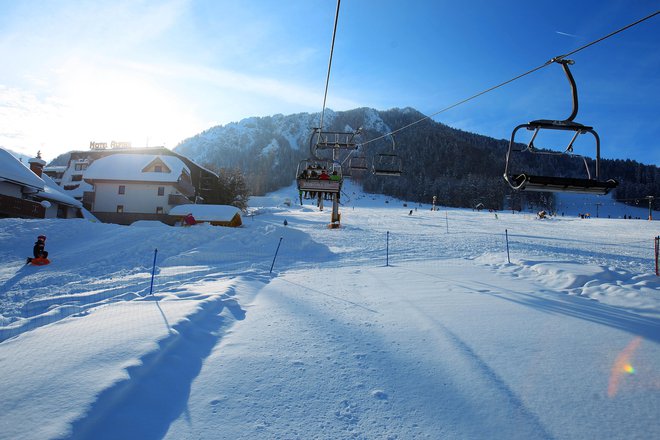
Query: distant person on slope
(39, 248)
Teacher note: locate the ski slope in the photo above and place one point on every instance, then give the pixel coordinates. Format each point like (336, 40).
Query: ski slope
(442, 338)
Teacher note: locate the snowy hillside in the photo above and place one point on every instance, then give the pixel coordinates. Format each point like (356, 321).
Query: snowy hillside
(268, 149)
(293, 131)
(440, 338)
(601, 206)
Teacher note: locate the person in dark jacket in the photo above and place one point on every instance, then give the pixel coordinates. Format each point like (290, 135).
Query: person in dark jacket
(39, 248)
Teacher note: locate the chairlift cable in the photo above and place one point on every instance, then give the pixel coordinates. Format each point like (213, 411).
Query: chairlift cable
(327, 80)
(607, 36)
(547, 63)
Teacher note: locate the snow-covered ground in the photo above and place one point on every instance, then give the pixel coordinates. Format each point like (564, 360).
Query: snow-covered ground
(442, 338)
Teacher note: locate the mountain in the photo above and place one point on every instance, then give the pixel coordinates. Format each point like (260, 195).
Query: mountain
(461, 169)
(268, 149)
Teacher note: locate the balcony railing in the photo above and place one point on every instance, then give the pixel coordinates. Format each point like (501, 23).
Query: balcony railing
(177, 199)
(14, 207)
(185, 187)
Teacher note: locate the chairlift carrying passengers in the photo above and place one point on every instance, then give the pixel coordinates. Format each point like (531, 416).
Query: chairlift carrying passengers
(309, 176)
(309, 170)
(588, 182)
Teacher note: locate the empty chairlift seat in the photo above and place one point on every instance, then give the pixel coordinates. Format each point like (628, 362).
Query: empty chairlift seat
(587, 181)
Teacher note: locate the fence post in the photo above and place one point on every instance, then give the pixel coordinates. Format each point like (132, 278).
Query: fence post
(657, 251)
(276, 251)
(506, 233)
(153, 272)
(387, 250)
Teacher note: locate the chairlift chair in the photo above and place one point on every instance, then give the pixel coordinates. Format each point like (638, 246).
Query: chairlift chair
(387, 164)
(524, 181)
(307, 181)
(358, 163)
(333, 140)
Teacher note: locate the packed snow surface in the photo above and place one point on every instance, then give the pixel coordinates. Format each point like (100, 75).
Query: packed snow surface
(404, 323)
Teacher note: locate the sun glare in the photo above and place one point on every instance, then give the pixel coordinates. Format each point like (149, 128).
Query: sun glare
(106, 104)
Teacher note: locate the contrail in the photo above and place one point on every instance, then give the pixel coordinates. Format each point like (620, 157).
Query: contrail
(566, 34)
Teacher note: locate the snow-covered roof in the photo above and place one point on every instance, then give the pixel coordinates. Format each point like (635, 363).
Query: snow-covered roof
(53, 192)
(56, 168)
(206, 213)
(80, 190)
(169, 153)
(129, 167)
(12, 170)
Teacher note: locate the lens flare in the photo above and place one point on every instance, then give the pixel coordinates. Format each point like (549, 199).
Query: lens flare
(622, 365)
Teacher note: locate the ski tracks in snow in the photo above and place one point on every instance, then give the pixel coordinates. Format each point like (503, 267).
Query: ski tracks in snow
(488, 396)
(527, 424)
(157, 388)
(84, 295)
(368, 342)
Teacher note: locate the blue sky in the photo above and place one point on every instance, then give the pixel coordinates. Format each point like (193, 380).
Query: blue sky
(156, 72)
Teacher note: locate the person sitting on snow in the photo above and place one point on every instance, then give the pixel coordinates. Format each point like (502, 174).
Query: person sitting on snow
(38, 250)
(189, 220)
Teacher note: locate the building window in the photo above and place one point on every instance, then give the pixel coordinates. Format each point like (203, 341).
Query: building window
(158, 168)
(76, 178)
(120, 209)
(81, 166)
(62, 211)
(159, 210)
(122, 189)
(161, 190)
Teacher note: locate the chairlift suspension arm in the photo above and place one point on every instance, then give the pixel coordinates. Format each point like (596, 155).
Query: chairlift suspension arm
(530, 145)
(569, 148)
(564, 64)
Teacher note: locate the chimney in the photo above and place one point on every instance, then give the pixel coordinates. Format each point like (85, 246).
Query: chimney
(37, 164)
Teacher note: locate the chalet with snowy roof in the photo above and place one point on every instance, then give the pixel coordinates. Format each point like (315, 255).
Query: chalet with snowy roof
(70, 175)
(131, 187)
(216, 215)
(28, 193)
